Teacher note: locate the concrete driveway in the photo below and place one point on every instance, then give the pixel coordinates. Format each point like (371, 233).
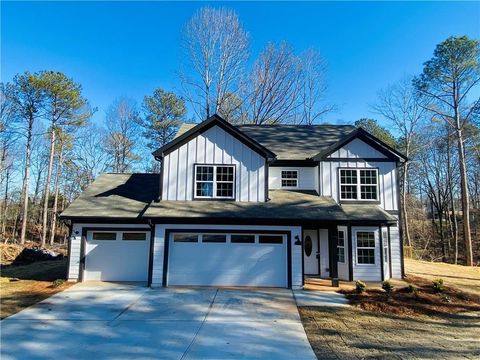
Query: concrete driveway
(112, 321)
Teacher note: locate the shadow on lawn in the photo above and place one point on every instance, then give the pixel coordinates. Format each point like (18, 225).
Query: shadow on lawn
(39, 271)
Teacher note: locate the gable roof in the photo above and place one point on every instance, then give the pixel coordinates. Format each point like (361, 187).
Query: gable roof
(366, 137)
(200, 128)
(301, 142)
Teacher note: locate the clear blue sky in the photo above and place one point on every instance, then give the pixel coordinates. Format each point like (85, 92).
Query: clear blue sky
(130, 48)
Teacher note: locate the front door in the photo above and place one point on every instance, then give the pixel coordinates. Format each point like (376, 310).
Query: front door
(310, 252)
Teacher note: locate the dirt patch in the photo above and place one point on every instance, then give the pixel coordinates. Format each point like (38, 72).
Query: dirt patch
(423, 301)
(23, 286)
(352, 333)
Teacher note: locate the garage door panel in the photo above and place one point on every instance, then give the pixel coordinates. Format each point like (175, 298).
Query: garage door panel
(116, 260)
(227, 264)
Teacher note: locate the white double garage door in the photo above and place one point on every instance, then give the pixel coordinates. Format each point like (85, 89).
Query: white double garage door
(220, 258)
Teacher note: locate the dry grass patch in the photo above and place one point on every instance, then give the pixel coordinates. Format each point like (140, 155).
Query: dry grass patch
(23, 286)
(352, 333)
(466, 278)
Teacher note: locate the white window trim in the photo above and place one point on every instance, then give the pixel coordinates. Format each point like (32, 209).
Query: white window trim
(358, 185)
(375, 232)
(342, 247)
(214, 182)
(296, 179)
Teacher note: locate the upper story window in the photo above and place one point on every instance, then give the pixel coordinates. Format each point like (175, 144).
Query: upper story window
(214, 181)
(359, 184)
(289, 178)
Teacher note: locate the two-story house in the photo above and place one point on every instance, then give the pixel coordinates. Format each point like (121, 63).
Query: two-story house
(245, 206)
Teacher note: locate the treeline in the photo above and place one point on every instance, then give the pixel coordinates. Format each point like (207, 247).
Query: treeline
(51, 149)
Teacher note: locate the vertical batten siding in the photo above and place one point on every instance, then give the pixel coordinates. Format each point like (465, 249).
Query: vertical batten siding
(214, 146)
(396, 252)
(362, 271)
(386, 179)
(74, 259)
(159, 247)
(357, 149)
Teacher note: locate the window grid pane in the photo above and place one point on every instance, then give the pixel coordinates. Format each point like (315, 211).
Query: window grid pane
(215, 181)
(289, 178)
(366, 247)
(348, 177)
(348, 192)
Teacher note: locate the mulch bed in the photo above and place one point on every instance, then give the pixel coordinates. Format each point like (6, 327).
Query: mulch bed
(424, 301)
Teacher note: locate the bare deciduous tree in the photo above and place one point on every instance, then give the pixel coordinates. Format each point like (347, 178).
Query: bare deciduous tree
(215, 51)
(123, 128)
(314, 87)
(402, 107)
(275, 85)
(446, 82)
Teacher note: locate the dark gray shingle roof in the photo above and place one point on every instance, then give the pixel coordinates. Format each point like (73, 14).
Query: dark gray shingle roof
(291, 142)
(115, 196)
(131, 196)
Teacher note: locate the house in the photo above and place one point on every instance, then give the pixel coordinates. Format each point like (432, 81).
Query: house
(245, 206)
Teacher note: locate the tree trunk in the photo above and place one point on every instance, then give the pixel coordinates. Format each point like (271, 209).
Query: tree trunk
(404, 206)
(467, 238)
(5, 202)
(46, 191)
(55, 201)
(26, 178)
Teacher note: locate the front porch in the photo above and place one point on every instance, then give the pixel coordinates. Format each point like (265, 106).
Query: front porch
(350, 252)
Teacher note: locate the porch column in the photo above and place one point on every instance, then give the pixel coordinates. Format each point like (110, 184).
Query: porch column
(332, 254)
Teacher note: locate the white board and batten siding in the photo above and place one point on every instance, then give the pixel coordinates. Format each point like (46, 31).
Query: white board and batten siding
(214, 146)
(307, 177)
(159, 246)
(355, 154)
(396, 252)
(367, 272)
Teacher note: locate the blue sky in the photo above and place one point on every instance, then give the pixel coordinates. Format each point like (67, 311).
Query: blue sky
(129, 48)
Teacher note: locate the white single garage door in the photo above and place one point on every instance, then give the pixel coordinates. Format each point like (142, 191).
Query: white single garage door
(227, 259)
(117, 255)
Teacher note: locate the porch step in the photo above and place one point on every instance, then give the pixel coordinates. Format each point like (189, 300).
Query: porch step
(319, 298)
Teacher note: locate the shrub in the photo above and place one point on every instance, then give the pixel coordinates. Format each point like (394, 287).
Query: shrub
(387, 287)
(360, 287)
(437, 285)
(412, 289)
(58, 282)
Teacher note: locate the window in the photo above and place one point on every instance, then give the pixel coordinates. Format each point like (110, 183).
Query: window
(214, 181)
(104, 235)
(270, 239)
(359, 184)
(290, 178)
(211, 238)
(134, 236)
(366, 247)
(341, 246)
(242, 239)
(185, 237)
(385, 246)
